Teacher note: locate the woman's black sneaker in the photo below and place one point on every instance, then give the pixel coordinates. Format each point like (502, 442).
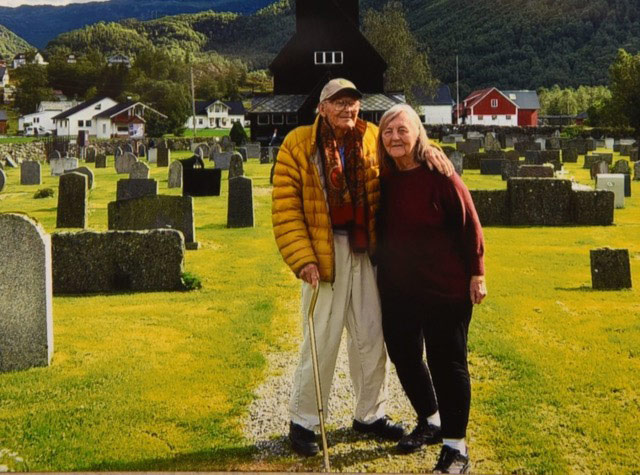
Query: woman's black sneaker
(424, 434)
(383, 428)
(303, 441)
(452, 461)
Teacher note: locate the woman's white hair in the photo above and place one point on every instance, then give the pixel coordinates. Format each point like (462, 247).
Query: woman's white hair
(422, 142)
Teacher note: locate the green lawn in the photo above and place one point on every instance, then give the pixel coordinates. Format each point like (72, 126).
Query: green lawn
(160, 381)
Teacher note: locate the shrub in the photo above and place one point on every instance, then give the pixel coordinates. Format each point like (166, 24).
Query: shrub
(190, 281)
(238, 134)
(44, 193)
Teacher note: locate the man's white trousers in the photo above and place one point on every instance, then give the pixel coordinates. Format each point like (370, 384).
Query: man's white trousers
(352, 302)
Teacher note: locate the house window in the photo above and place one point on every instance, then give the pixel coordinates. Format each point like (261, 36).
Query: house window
(81, 123)
(104, 128)
(98, 107)
(292, 118)
(508, 117)
(278, 119)
(199, 121)
(87, 123)
(36, 120)
(494, 117)
(123, 129)
(480, 117)
(263, 119)
(328, 57)
(494, 102)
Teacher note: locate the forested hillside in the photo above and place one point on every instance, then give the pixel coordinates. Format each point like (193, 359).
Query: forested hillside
(505, 43)
(40, 24)
(10, 43)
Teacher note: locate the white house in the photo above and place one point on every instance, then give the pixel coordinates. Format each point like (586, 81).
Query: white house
(104, 118)
(42, 119)
(217, 115)
(119, 59)
(4, 76)
(434, 109)
(20, 59)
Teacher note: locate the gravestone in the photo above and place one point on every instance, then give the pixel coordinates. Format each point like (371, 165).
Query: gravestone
(3, 179)
(243, 153)
(202, 149)
(616, 147)
(512, 155)
(175, 174)
(533, 157)
(91, 155)
(117, 152)
(610, 269)
(142, 150)
(87, 172)
(222, 160)
(472, 161)
(273, 153)
(264, 155)
(552, 143)
(510, 169)
(226, 144)
(627, 185)
(496, 154)
(490, 166)
(621, 166)
(201, 181)
(216, 148)
(163, 156)
(30, 173)
(26, 298)
(117, 261)
(540, 201)
(125, 162)
(557, 166)
(128, 148)
(139, 170)
(542, 142)
(608, 143)
(636, 171)
(55, 155)
(235, 166)
(457, 159)
(240, 203)
(448, 150)
(611, 182)
(61, 165)
(625, 150)
(132, 188)
(592, 207)
(599, 168)
(155, 212)
(569, 155)
(101, 161)
(152, 155)
(468, 146)
(72, 201)
(253, 150)
(590, 143)
(448, 139)
(491, 206)
(535, 171)
(491, 144)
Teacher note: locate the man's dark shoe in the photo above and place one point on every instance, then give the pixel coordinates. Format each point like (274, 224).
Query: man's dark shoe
(382, 428)
(452, 461)
(303, 441)
(423, 434)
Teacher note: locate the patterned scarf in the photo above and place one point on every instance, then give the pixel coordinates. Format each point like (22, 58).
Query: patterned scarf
(346, 185)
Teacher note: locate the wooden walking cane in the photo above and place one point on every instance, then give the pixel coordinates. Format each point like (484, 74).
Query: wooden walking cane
(316, 376)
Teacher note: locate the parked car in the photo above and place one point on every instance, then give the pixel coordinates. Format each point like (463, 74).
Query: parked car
(34, 130)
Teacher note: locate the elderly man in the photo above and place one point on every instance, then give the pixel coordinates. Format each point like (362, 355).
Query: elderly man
(325, 197)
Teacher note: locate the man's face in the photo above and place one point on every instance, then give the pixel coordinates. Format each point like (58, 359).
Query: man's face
(341, 110)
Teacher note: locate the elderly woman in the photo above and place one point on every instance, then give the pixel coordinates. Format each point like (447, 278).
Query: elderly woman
(430, 273)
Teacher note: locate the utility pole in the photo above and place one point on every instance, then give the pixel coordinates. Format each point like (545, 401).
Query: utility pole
(193, 104)
(457, 93)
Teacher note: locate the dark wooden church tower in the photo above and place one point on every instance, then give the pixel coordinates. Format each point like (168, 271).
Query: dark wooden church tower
(327, 43)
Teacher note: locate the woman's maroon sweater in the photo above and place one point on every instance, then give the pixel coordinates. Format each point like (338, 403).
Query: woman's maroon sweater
(430, 238)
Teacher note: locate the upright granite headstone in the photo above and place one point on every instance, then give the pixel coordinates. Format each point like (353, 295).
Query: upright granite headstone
(264, 155)
(72, 201)
(540, 201)
(599, 168)
(163, 156)
(243, 152)
(136, 188)
(152, 155)
(491, 166)
(457, 161)
(128, 148)
(55, 155)
(142, 150)
(201, 181)
(253, 150)
(510, 169)
(175, 174)
(222, 160)
(101, 161)
(240, 204)
(235, 166)
(621, 166)
(610, 269)
(155, 212)
(139, 170)
(89, 174)
(535, 171)
(202, 149)
(608, 143)
(26, 309)
(117, 152)
(91, 155)
(125, 162)
(569, 155)
(61, 165)
(30, 173)
(491, 143)
(3, 179)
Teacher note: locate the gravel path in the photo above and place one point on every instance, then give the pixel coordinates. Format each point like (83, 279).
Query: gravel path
(267, 423)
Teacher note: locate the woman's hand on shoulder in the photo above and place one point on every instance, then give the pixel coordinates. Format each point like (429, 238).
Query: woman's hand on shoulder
(437, 159)
(478, 289)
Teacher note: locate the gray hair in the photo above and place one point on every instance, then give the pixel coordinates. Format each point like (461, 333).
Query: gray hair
(422, 142)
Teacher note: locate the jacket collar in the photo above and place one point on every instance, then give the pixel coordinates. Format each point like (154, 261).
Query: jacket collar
(361, 125)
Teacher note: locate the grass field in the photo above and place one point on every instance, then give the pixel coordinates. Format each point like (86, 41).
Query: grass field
(161, 381)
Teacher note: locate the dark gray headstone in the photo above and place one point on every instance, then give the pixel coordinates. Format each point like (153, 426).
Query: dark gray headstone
(471, 161)
(491, 143)
(139, 170)
(599, 168)
(175, 174)
(222, 160)
(155, 212)
(54, 155)
(593, 207)
(610, 269)
(90, 155)
(201, 181)
(253, 150)
(569, 155)
(627, 185)
(535, 171)
(128, 148)
(30, 173)
(101, 161)
(490, 166)
(142, 150)
(621, 166)
(117, 152)
(117, 261)
(240, 204)
(202, 149)
(124, 162)
(634, 155)
(3, 179)
(468, 146)
(510, 169)
(512, 155)
(72, 201)
(264, 155)
(163, 157)
(243, 152)
(540, 201)
(491, 206)
(89, 174)
(26, 299)
(236, 167)
(625, 150)
(457, 161)
(135, 188)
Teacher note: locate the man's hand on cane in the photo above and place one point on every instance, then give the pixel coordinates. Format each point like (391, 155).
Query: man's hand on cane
(310, 274)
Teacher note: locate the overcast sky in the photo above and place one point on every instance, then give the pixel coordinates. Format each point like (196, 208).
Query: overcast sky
(17, 3)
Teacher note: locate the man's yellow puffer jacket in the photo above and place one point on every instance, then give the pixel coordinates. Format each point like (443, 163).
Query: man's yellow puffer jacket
(300, 212)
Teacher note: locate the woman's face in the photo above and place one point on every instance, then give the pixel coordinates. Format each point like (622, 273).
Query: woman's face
(399, 137)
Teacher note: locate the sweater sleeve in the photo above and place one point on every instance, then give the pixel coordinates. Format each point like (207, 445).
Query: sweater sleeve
(464, 217)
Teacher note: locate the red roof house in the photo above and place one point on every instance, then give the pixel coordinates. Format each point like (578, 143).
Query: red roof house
(488, 107)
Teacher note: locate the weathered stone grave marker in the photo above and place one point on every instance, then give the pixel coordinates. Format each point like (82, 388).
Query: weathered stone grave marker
(175, 174)
(240, 203)
(610, 269)
(30, 173)
(236, 167)
(72, 201)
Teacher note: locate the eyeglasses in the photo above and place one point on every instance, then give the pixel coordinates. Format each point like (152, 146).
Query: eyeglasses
(342, 104)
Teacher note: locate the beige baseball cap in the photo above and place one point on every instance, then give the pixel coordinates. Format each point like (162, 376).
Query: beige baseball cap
(337, 85)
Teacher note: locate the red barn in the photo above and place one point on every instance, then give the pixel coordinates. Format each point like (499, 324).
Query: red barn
(488, 107)
(528, 107)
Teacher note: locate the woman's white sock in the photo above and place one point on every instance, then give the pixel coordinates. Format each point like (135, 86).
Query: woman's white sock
(434, 419)
(458, 444)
